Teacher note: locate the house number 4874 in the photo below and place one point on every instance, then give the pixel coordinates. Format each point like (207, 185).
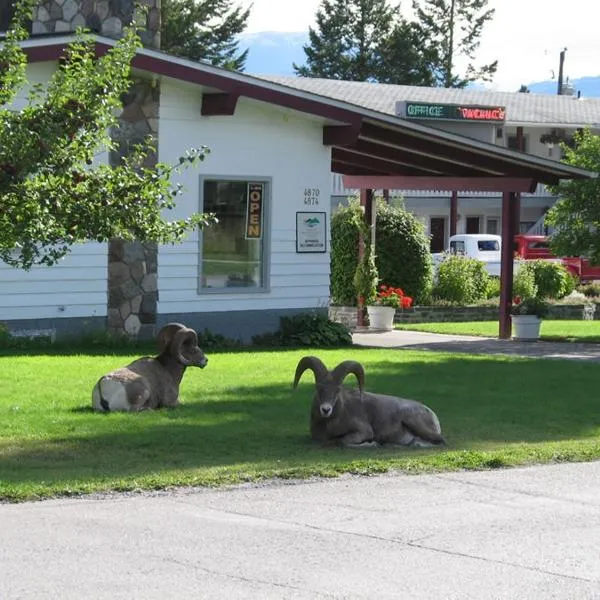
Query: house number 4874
(311, 196)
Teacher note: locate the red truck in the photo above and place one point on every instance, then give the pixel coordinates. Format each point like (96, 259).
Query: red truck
(530, 247)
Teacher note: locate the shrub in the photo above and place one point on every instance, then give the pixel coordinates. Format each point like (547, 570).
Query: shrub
(346, 224)
(552, 279)
(402, 251)
(306, 329)
(524, 284)
(493, 288)
(591, 290)
(461, 280)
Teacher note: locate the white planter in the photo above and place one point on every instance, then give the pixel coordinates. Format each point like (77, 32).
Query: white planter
(526, 327)
(381, 317)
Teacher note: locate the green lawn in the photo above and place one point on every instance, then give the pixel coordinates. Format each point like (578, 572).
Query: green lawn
(567, 331)
(240, 420)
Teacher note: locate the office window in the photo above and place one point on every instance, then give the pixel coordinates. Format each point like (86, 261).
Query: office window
(233, 250)
(511, 142)
(492, 226)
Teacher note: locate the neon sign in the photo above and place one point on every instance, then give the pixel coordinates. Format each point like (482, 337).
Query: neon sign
(451, 112)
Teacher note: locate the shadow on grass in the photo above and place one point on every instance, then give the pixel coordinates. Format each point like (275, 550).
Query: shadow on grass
(481, 402)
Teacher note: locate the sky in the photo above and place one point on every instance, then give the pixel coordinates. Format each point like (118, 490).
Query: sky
(526, 36)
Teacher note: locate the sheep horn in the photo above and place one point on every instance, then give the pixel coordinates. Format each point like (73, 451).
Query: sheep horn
(313, 363)
(178, 339)
(345, 368)
(166, 334)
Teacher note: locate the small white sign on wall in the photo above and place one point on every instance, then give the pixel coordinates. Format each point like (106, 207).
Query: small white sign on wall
(311, 232)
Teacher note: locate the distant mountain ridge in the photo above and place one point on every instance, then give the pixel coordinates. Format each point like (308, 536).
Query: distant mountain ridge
(274, 53)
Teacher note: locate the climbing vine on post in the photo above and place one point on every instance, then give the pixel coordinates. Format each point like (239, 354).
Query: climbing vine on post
(52, 194)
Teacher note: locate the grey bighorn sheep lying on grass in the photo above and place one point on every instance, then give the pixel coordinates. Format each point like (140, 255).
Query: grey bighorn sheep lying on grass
(151, 382)
(354, 417)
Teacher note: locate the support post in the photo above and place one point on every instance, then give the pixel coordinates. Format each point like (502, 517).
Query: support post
(517, 196)
(453, 212)
(366, 201)
(386, 196)
(506, 266)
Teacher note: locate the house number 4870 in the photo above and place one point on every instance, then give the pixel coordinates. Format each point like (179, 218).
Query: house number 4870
(311, 196)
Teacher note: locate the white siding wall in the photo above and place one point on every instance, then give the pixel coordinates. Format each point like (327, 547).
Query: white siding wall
(76, 287)
(258, 141)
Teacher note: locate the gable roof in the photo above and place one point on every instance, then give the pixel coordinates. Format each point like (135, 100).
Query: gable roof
(364, 140)
(521, 109)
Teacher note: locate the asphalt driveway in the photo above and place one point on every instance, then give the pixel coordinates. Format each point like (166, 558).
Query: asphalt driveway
(520, 533)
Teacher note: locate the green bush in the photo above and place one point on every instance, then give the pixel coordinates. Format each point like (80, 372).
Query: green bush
(346, 223)
(591, 290)
(524, 285)
(462, 280)
(493, 288)
(552, 279)
(306, 329)
(402, 253)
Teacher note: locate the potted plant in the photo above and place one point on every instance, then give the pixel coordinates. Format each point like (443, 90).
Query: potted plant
(527, 315)
(383, 308)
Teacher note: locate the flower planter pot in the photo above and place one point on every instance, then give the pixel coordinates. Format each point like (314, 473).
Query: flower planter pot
(526, 328)
(381, 317)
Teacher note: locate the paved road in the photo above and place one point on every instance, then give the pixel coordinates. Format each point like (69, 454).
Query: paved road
(523, 534)
(477, 345)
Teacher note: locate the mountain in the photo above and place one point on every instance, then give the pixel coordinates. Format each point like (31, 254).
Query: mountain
(274, 53)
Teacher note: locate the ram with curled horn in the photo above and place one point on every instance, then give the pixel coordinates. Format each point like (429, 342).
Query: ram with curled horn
(356, 418)
(151, 382)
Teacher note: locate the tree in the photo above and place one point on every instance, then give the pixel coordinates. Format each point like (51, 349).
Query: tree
(204, 30)
(524, 89)
(451, 29)
(52, 196)
(576, 215)
(364, 40)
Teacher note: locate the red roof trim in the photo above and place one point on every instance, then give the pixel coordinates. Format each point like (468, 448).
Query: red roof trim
(462, 184)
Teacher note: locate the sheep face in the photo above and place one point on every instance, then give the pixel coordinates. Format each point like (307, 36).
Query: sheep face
(180, 343)
(192, 354)
(329, 390)
(326, 398)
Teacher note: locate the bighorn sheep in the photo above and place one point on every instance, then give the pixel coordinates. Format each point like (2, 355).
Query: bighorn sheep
(357, 418)
(151, 382)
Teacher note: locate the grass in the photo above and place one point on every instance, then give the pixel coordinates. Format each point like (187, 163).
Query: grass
(562, 331)
(241, 422)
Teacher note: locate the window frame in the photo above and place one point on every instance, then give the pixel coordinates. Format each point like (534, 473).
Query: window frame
(266, 238)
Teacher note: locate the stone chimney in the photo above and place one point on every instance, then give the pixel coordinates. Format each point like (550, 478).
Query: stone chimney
(105, 17)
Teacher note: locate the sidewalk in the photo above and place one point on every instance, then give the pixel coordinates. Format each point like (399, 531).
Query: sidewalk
(417, 340)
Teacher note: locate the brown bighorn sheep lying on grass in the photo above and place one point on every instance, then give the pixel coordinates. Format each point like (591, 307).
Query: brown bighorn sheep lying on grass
(151, 382)
(357, 418)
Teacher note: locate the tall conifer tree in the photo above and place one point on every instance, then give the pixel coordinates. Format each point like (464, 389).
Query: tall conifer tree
(452, 29)
(204, 30)
(364, 40)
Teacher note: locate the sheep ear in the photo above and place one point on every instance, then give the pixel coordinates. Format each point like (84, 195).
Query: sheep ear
(313, 363)
(345, 368)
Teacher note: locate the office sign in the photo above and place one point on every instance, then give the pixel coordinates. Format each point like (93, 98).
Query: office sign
(451, 112)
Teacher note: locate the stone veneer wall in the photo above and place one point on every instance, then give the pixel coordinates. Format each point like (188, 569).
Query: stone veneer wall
(440, 314)
(106, 17)
(133, 266)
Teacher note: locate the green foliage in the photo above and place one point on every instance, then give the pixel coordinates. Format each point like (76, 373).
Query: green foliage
(207, 340)
(52, 196)
(461, 280)
(366, 278)
(346, 223)
(576, 215)
(591, 290)
(552, 279)
(306, 329)
(451, 31)
(535, 305)
(493, 288)
(524, 284)
(365, 40)
(402, 252)
(204, 30)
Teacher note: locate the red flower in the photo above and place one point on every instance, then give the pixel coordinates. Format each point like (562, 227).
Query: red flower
(517, 300)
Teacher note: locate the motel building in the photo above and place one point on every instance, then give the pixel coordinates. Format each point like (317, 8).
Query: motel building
(276, 145)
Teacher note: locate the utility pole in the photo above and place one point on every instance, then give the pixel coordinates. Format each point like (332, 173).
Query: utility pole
(561, 65)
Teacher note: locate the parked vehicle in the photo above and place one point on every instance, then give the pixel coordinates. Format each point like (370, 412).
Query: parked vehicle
(529, 247)
(481, 246)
